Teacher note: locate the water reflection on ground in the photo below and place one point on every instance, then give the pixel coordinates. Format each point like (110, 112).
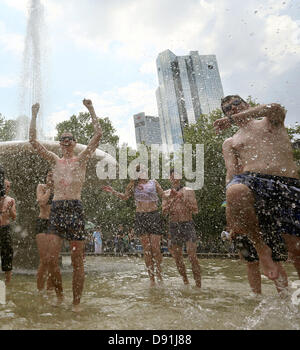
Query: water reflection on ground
(117, 297)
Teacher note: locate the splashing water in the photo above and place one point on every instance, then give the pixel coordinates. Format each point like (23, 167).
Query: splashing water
(32, 80)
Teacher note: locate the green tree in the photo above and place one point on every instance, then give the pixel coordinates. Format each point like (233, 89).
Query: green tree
(7, 129)
(82, 128)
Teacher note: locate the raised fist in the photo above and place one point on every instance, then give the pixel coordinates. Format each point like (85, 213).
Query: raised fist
(87, 103)
(35, 108)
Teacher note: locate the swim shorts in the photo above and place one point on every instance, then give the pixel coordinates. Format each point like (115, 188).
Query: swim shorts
(277, 201)
(182, 232)
(67, 220)
(277, 206)
(6, 248)
(41, 226)
(148, 223)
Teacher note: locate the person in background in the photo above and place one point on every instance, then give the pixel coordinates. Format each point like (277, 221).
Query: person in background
(180, 204)
(44, 196)
(98, 240)
(148, 222)
(7, 213)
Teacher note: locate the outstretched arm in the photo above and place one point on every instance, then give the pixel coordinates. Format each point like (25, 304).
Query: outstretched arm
(274, 112)
(123, 196)
(41, 150)
(94, 142)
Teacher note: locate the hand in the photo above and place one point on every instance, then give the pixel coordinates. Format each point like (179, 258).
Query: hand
(35, 109)
(107, 189)
(221, 124)
(88, 103)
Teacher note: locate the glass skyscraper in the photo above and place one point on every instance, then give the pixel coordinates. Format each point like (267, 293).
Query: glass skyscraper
(188, 87)
(147, 129)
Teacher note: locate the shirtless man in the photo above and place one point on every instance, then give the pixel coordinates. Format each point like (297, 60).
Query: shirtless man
(44, 196)
(180, 204)
(7, 213)
(263, 187)
(66, 217)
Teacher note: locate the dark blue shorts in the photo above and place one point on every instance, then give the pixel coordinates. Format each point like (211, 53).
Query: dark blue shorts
(277, 206)
(182, 232)
(67, 220)
(148, 223)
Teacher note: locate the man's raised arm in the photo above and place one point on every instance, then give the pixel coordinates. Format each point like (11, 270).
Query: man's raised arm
(94, 142)
(41, 150)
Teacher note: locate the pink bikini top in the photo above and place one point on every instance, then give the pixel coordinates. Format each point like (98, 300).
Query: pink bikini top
(146, 192)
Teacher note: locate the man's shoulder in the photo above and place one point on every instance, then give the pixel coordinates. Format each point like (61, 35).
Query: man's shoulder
(188, 190)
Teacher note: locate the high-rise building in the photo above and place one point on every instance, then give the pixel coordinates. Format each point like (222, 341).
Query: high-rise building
(147, 129)
(188, 87)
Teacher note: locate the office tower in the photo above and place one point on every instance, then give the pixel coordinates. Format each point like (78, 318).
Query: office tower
(188, 87)
(147, 129)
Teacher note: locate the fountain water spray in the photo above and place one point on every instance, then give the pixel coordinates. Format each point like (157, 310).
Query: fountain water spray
(32, 78)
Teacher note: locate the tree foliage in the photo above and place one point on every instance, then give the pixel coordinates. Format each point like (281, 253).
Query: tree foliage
(7, 129)
(82, 129)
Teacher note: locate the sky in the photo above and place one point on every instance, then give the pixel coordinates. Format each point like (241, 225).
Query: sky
(107, 50)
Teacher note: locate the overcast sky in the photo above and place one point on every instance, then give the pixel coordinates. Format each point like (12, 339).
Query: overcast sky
(106, 51)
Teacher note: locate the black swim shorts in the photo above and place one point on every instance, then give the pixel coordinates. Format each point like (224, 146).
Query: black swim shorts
(148, 223)
(67, 220)
(247, 250)
(182, 232)
(277, 206)
(6, 248)
(41, 226)
(277, 201)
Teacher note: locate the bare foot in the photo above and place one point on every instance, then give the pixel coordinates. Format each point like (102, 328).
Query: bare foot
(152, 283)
(198, 284)
(77, 308)
(269, 267)
(59, 301)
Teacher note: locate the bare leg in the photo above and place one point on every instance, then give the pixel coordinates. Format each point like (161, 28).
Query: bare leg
(54, 249)
(254, 276)
(192, 254)
(156, 254)
(282, 282)
(178, 257)
(77, 254)
(42, 244)
(293, 246)
(145, 240)
(8, 275)
(242, 219)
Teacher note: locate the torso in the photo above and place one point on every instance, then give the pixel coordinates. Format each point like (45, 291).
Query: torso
(146, 206)
(68, 177)
(179, 211)
(263, 148)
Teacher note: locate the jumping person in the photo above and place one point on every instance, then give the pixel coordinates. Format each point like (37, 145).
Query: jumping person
(263, 187)
(180, 204)
(7, 213)
(44, 195)
(66, 219)
(148, 222)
